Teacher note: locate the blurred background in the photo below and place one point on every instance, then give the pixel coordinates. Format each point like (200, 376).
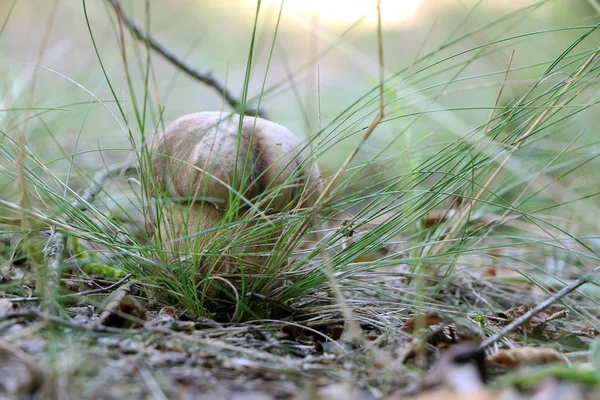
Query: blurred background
(324, 58)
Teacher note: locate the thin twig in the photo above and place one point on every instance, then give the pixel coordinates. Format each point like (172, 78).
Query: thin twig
(73, 295)
(112, 307)
(273, 302)
(90, 193)
(523, 319)
(205, 77)
(100, 290)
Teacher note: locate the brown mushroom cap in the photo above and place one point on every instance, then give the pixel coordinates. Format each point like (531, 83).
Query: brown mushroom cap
(197, 156)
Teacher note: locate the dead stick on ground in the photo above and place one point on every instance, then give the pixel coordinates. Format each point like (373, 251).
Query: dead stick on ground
(523, 319)
(73, 295)
(205, 77)
(55, 248)
(113, 306)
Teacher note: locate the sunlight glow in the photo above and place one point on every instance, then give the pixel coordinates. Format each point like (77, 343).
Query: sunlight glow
(395, 13)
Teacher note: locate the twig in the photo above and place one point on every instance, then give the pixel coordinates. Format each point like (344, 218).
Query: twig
(55, 248)
(205, 77)
(73, 295)
(112, 308)
(523, 319)
(100, 290)
(273, 302)
(90, 193)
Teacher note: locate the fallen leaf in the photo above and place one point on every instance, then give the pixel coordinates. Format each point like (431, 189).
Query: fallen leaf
(537, 323)
(521, 356)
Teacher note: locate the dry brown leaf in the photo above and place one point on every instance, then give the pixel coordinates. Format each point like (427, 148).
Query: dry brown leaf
(436, 217)
(538, 320)
(442, 331)
(440, 336)
(521, 356)
(443, 213)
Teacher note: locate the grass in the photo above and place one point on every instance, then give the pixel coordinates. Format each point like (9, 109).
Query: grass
(462, 210)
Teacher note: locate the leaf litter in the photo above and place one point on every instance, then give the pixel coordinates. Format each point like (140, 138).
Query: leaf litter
(118, 343)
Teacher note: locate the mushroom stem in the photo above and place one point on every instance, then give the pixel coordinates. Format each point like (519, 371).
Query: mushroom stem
(182, 226)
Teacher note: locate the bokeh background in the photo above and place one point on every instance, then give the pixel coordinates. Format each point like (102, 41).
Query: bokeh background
(324, 58)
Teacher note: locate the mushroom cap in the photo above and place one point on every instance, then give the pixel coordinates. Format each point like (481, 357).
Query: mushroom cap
(198, 155)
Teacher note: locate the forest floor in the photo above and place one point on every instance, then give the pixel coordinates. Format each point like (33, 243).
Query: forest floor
(129, 348)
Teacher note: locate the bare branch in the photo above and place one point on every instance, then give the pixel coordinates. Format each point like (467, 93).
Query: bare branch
(112, 308)
(205, 77)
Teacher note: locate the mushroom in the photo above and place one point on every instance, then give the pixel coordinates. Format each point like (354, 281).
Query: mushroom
(203, 162)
